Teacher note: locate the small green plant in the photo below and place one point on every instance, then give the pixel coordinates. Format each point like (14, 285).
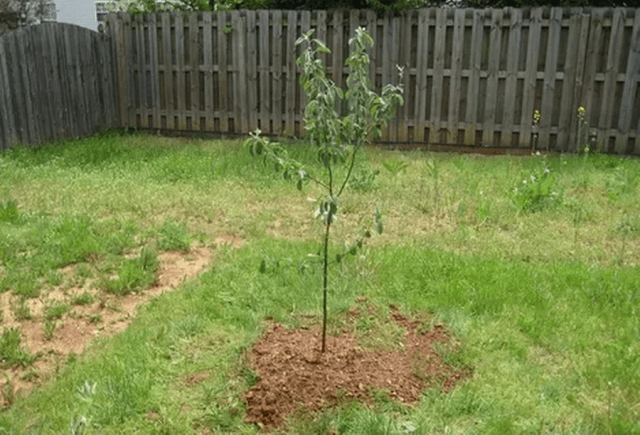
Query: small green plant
(82, 299)
(134, 274)
(49, 327)
(336, 139)
(95, 318)
(582, 139)
(395, 166)
(9, 212)
(534, 130)
(173, 237)
(625, 227)
(83, 270)
(56, 311)
(621, 182)
(429, 197)
(363, 179)
(22, 310)
(54, 278)
(536, 191)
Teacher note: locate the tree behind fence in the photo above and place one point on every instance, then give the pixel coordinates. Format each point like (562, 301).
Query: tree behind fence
(472, 77)
(56, 81)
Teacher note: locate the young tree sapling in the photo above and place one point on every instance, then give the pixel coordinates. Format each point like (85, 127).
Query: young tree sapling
(337, 139)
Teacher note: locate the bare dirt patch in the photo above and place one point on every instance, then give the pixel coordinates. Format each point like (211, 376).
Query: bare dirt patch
(294, 375)
(75, 329)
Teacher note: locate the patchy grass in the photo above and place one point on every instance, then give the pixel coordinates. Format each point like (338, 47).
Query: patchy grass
(11, 350)
(540, 285)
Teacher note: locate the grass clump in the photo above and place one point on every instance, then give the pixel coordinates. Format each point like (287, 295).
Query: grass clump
(56, 311)
(173, 237)
(84, 298)
(8, 212)
(537, 191)
(11, 352)
(134, 274)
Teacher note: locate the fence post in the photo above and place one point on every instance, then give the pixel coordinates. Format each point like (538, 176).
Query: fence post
(6, 114)
(611, 77)
(529, 90)
(632, 77)
(241, 122)
(471, 117)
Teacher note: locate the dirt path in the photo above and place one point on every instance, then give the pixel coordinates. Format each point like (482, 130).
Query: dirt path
(106, 315)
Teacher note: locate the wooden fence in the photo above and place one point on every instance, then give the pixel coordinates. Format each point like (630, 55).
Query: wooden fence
(56, 81)
(472, 77)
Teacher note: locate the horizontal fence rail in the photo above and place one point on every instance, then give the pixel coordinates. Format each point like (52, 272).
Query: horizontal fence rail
(56, 81)
(471, 77)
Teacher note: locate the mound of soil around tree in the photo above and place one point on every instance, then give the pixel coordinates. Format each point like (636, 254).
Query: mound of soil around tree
(294, 375)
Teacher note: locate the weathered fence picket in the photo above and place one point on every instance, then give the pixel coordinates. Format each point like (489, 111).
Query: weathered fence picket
(56, 81)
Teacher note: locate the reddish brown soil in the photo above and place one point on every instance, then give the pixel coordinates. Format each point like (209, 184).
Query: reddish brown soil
(294, 375)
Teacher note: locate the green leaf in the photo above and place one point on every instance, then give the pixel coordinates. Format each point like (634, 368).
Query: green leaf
(263, 266)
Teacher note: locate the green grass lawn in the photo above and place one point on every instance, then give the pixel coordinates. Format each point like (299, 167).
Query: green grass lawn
(533, 262)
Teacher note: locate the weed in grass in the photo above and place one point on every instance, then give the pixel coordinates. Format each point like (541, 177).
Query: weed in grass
(395, 166)
(9, 212)
(95, 318)
(582, 139)
(363, 179)
(483, 212)
(49, 328)
(173, 237)
(537, 191)
(54, 278)
(134, 274)
(31, 375)
(623, 181)
(625, 228)
(83, 270)
(534, 130)
(82, 299)
(56, 311)
(11, 354)
(78, 426)
(22, 310)
(23, 283)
